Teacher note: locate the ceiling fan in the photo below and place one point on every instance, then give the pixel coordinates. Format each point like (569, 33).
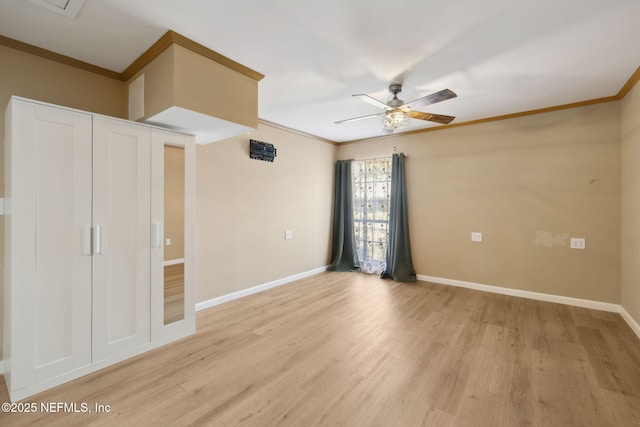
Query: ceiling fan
(397, 113)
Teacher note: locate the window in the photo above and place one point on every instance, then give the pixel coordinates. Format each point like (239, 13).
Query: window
(371, 194)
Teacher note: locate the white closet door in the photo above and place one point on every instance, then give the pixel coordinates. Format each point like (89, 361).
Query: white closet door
(121, 224)
(50, 181)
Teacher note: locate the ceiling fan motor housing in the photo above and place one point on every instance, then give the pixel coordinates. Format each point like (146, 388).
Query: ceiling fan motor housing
(395, 89)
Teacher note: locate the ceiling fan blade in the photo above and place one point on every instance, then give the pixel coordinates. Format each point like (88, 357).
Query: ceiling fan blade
(370, 116)
(372, 101)
(443, 95)
(437, 118)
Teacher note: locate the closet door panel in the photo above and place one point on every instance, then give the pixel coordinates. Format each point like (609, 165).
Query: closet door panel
(55, 296)
(172, 312)
(121, 275)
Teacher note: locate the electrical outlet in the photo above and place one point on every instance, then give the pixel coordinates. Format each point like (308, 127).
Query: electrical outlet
(167, 242)
(476, 236)
(577, 243)
(287, 235)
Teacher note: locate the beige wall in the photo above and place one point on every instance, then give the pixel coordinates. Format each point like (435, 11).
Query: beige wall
(208, 87)
(630, 287)
(244, 207)
(180, 77)
(37, 78)
(527, 184)
(174, 202)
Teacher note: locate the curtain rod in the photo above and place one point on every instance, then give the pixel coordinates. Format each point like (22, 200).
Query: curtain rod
(371, 158)
(375, 158)
(380, 158)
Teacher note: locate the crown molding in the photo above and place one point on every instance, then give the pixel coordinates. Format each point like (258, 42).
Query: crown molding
(492, 119)
(149, 55)
(169, 38)
(629, 84)
(624, 90)
(66, 60)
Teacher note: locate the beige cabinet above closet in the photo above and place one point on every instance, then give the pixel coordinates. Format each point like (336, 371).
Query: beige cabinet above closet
(84, 243)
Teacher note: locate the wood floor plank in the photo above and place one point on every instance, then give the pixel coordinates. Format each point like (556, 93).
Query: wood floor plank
(562, 378)
(610, 376)
(354, 350)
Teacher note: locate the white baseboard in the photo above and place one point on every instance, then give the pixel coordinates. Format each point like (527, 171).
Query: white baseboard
(630, 321)
(174, 261)
(596, 305)
(578, 302)
(82, 371)
(585, 303)
(243, 293)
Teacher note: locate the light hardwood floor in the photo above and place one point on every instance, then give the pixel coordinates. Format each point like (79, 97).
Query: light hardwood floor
(353, 350)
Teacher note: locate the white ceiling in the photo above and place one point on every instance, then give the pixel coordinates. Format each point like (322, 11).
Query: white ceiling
(499, 56)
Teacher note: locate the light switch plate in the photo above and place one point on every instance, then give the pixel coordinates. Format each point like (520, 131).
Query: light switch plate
(476, 236)
(287, 235)
(578, 243)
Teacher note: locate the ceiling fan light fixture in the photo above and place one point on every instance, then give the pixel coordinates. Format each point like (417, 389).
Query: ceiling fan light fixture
(397, 113)
(394, 120)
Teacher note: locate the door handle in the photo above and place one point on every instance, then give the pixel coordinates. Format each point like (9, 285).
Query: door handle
(97, 240)
(156, 241)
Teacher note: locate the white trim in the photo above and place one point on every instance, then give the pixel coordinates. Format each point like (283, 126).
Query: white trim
(2, 371)
(585, 303)
(578, 302)
(82, 371)
(174, 262)
(1, 206)
(243, 293)
(117, 119)
(630, 321)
